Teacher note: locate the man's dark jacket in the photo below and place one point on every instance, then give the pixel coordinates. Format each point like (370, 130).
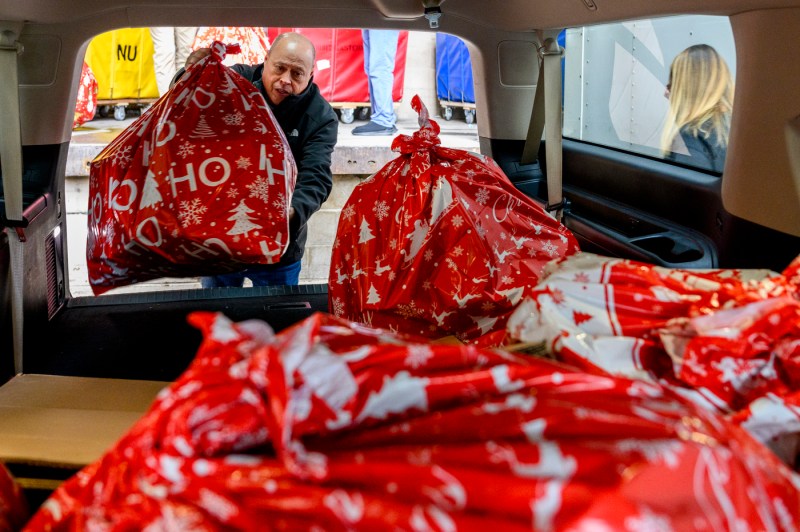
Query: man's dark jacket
(311, 126)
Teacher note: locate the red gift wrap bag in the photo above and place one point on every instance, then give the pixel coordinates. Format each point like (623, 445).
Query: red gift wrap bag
(331, 425)
(13, 506)
(200, 184)
(727, 339)
(439, 242)
(86, 105)
(253, 43)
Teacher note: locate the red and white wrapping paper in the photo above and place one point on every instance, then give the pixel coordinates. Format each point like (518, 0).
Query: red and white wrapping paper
(724, 338)
(13, 506)
(200, 184)
(331, 425)
(439, 242)
(253, 43)
(86, 104)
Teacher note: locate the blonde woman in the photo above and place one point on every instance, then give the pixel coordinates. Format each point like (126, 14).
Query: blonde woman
(700, 92)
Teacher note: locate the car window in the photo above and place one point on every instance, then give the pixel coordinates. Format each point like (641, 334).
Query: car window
(618, 91)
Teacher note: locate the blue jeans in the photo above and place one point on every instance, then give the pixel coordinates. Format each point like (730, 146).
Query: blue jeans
(380, 49)
(288, 274)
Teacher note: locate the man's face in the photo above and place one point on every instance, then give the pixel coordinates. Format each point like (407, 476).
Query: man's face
(287, 69)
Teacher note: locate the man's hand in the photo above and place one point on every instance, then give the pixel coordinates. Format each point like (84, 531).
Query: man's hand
(291, 212)
(196, 56)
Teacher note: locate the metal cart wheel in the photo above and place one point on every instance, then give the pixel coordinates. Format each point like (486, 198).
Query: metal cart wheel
(347, 115)
(119, 112)
(447, 112)
(469, 116)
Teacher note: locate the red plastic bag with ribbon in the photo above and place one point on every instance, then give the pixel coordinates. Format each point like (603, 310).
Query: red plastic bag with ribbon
(439, 242)
(331, 425)
(727, 339)
(200, 184)
(13, 506)
(86, 105)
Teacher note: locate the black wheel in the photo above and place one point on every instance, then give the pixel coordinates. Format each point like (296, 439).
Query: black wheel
(447, 112)
(364, 113)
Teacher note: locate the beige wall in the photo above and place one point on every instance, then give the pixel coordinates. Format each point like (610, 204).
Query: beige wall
(420, 74)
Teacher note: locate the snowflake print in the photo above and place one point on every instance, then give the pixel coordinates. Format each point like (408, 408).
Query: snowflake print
(122, 157)
(392, 276)
(428, 256)
(243, 162)
(648, 520)
(393, 243)
(348, 212)
(451, 264)
(426, 285)
(557, 296)
(260, 128)
(233, 119)
(420, 457)
(458, 251)
(418, 356)
(550, 248)
(191, 213)
(462, 337)
(506, 280)
(338, 306)
(582, 277)
(280, 201)
(482, 196)
(259, 189)
(532, 252)
(457, 221)
(277, 145)
(662, 453)
(381, 209)
(409, 311)
(470, 173)
(232, 193)
(488, 306)
(186, 149)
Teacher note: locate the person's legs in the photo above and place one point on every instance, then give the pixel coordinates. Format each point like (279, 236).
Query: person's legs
(365, 40)
(380, 71)
(225, 280)
(288, 274)
(184, 39)
(163, 56)
(380, 49)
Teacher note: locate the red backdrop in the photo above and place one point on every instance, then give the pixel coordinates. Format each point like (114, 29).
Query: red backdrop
(339, 72)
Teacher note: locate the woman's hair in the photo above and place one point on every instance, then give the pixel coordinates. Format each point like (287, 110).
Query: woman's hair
(700, 96)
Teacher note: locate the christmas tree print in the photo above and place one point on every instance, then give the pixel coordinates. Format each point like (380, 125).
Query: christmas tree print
(150, 194)
(202, 130)
(580, 317)
(366, 233)
(372, 295)
(242, 222)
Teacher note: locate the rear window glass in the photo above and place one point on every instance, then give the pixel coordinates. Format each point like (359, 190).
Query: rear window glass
(659, 87)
